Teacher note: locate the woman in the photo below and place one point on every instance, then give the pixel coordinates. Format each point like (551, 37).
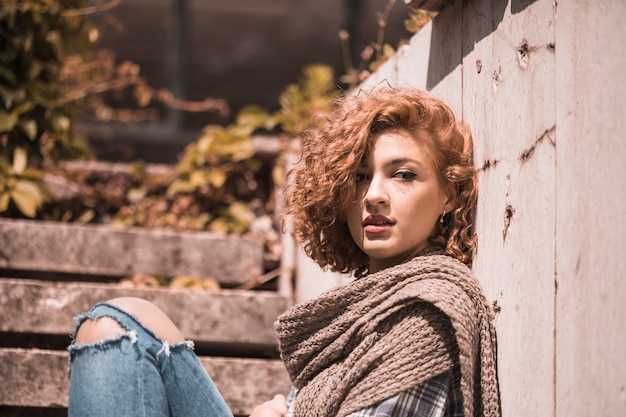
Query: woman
(386, 191)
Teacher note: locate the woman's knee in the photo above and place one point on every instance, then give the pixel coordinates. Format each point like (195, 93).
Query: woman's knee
(95, 330)
(149, 315)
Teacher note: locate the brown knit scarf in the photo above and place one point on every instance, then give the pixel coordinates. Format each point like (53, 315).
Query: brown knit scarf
(382, 334)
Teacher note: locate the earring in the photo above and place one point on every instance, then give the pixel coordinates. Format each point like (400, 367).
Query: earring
(441, 218)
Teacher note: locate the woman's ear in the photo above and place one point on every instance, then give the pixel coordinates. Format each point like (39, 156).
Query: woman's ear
(451, 194)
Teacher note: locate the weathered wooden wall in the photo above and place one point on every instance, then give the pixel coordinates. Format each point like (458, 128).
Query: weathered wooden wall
(542, 86)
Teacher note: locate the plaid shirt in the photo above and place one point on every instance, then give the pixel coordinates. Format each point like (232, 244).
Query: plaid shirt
(437, 397)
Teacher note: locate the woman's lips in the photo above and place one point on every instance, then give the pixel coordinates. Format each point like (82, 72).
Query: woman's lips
(377, 224)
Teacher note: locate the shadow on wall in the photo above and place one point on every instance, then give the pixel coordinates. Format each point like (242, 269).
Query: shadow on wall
(519, 5)
(449, 47)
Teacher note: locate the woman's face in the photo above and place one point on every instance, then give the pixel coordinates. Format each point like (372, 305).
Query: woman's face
(398, 200)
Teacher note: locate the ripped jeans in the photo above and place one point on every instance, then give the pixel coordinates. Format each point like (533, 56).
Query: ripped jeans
(137, 374)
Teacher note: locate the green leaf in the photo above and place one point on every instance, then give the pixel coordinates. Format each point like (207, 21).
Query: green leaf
(31, 174)
(180, 186)
(86, 216)
(233, 144)
(5, 197)
(27, 197)
(5, 167)
(20, 160)
(24, 107)
(216, 177)
(8, 120)
(319, 80)
(8, 75)
(253, 117)
(11, 96)
(35, 70)
(136, 194)
(197, 179)
(278, 175)
(56, 42)
(60, 122)
(29, 127)
(236, 218)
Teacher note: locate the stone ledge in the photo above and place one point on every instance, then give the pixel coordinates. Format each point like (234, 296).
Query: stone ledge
(37, 379)
(106, 251)
(226, 318)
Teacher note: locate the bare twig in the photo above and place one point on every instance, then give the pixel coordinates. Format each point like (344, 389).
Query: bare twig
(100, 6)
(344, 38)
(96, 88)
(382, 25)
(256, 281)
(206, 105)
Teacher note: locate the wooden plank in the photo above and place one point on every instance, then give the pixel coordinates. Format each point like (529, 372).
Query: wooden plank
(242, 318)
(38, 379)
(591, 202)
(103, 250)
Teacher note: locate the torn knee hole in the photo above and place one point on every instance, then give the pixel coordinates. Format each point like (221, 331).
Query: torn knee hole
(99, 329)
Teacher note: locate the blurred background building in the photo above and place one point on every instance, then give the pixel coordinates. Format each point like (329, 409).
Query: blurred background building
(242, 51)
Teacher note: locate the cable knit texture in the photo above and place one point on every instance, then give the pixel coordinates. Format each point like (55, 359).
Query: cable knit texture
(359, 344)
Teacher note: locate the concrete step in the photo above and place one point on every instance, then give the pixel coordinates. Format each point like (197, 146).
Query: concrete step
(232, 329)
(101, 250)
(51, 271)
(232, 321)
(37, 378)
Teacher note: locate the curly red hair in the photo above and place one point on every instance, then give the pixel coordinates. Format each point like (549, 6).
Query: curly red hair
(323, 183)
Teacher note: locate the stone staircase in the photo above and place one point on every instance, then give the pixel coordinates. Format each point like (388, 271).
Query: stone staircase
(49, 272)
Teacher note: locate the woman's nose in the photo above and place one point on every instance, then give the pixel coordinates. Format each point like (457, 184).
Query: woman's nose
(376, 193)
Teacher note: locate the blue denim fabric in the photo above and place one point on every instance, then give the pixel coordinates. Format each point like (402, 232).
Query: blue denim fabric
(137, 374)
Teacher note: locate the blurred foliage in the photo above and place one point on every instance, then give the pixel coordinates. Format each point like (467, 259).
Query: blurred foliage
(418, 18)
(36, 37)
(50, 70)
(302, 103)
(50, 74)
(216, 177)
(378, 52)
(21, 184)
(180, 281)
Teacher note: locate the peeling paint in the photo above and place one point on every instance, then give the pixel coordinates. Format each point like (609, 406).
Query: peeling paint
(524, 51)
(523, 54)
(488, 164)
(495, 78)
(509, 211)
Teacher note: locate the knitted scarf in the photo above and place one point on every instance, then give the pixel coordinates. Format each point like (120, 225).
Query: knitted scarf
(382, 334)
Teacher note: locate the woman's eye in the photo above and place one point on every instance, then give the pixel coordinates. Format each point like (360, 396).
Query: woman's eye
(405, 175)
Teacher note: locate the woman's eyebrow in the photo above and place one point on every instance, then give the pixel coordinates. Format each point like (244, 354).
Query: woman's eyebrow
(399, 161)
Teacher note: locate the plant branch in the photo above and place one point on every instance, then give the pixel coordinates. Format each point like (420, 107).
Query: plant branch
(100, 6)
(96, 88)
(382, 25)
